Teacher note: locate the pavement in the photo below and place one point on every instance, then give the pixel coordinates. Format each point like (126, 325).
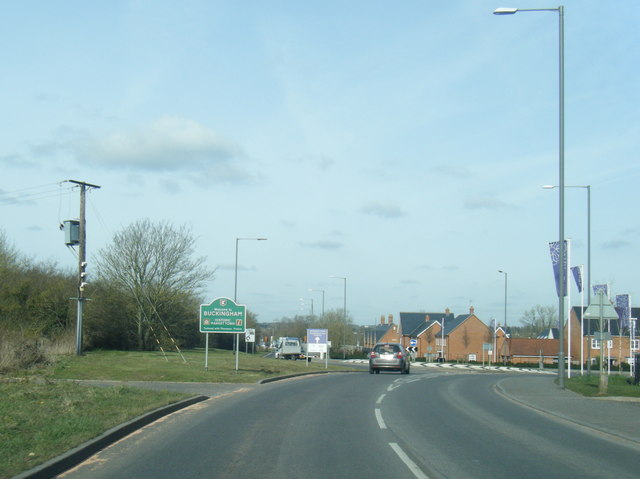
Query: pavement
(617, 418)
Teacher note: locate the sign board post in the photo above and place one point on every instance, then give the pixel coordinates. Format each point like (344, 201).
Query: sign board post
(249, 337)
(222, 315)
(603, 309)
(486, 347)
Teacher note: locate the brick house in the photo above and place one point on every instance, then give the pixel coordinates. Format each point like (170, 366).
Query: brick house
(620, 348)
(463, 340)
(531, 351)
(385, 331)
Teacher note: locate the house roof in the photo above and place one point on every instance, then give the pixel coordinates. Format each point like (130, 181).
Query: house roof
(590, 326)
(412, 324)
(380, 330)
(549, 333)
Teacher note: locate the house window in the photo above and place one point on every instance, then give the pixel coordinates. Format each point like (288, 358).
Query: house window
(595, 344)
(635, 344)
(441, 342)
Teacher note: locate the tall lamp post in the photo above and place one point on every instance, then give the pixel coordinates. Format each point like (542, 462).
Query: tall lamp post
(505, 297)
(562, 272)
(320, 291)
(236, 337)
(344, 316)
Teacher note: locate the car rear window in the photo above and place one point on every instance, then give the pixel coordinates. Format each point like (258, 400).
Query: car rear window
(387, 348)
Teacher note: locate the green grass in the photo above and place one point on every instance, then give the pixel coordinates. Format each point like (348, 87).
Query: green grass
(588, 386)
(41, 417)
(39, 421)
(152, 366)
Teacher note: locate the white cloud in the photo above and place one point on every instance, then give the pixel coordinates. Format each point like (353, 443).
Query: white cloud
(169, 143)
(322, 244)
(383, 210)
(486, 202)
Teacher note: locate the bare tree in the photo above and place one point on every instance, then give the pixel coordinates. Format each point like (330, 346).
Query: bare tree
(152, 264)
(539, 318)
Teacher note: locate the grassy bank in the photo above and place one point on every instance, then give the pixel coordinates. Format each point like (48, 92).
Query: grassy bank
(588, 386)
(42, 417)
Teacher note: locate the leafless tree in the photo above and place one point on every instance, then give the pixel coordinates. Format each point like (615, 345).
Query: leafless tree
(152, 264)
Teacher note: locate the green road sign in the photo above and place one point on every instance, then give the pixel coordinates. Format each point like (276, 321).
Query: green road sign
(223, 315)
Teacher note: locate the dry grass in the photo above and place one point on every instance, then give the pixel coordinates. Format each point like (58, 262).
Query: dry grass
(19, 350)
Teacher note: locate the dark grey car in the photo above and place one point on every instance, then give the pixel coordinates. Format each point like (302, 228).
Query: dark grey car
(389, 357)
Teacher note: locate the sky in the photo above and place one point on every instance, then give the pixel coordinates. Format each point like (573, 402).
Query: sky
(400, 145)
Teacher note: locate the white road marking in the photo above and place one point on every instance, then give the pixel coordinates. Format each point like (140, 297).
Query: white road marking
(379, 419)
(408, 462)
(380, 399)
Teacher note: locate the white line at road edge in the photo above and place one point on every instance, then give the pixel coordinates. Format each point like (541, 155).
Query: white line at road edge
(379, 419)
(408, 462)
(380, 399)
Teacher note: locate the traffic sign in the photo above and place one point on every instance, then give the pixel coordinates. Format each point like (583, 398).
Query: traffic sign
(317, 340)
(223, 315)
(250, 336)
(413, 342)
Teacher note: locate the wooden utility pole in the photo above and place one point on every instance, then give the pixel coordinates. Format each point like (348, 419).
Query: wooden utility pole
(82, 261)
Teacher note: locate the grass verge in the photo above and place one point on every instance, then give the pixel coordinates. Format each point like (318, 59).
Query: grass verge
(41, 420)
(588, 386)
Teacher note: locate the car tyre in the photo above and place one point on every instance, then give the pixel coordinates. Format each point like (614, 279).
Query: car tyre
(370, 370)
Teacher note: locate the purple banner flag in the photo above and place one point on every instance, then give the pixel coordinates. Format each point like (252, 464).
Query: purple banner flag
(623, 307)
(601, 287)
(554, 248)
(577, 275)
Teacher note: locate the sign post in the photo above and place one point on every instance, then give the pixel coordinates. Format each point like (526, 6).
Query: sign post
(222, 315)
(601, 310)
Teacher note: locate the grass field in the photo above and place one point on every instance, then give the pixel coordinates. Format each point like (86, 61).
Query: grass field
(42, 416)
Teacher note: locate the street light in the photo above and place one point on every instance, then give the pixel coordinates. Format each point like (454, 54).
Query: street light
(505, 297)
(344, 316)
(320, 291)
(562, 272)
(302, 304)
(236, 338)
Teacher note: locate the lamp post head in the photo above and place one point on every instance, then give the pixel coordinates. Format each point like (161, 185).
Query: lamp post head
(505, 11)
(549, 187)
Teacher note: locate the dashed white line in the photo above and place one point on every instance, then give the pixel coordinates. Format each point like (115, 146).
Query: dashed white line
(381, 422)
(408, 462)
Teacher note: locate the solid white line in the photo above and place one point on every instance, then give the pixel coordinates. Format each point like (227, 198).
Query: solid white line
(380, 399)
(379, 419)
(408, 462)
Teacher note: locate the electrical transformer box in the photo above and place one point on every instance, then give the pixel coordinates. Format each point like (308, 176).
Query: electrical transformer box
(71, 232)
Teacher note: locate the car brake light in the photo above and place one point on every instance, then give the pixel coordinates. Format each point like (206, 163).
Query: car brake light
(373, 354)
(399, 355)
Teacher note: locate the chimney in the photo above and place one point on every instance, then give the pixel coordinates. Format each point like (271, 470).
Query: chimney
(447, 311)
(382, 319)
(471, 310)
(427, 318)
(391, 319)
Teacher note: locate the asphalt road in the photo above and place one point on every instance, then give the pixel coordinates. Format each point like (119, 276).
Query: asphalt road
(429, 424)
